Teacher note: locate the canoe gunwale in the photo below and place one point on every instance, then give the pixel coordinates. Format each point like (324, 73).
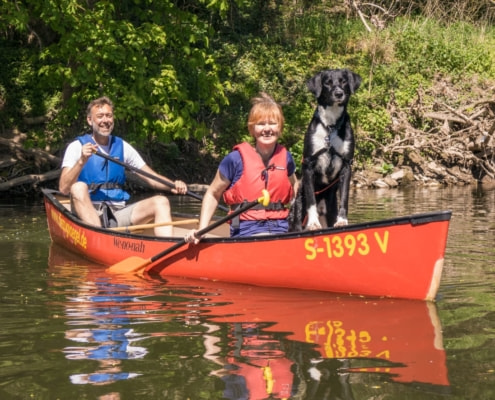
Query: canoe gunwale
(414, 220)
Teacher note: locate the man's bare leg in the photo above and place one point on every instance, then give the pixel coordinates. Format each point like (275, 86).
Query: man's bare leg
(155, 209)
(81, 204)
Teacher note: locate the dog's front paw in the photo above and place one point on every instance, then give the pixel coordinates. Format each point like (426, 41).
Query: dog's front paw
(341, 222)
(313, 222)
(313, 226)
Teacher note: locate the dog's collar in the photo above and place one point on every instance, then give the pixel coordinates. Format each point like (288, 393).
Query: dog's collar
(338, 123)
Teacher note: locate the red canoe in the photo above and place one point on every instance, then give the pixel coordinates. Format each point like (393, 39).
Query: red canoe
(401, 257)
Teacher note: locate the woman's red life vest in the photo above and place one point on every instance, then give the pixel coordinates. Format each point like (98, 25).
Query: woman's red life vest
(256, 177)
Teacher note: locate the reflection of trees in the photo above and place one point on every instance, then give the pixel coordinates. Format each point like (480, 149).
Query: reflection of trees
(23, 230)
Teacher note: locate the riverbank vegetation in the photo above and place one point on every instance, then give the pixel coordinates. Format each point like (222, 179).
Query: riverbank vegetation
(181, 75)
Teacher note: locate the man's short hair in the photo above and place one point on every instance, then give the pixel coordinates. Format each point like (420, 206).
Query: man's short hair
(101, 101)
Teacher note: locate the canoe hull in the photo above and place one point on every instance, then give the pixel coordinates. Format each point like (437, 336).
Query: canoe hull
(400, 258)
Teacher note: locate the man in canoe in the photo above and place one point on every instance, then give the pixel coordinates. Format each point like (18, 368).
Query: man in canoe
(95, 184)
(247, 170)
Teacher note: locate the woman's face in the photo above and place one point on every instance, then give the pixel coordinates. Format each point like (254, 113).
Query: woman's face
(266, 131)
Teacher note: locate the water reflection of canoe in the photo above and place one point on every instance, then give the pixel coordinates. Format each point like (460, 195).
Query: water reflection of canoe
(396, 338)
(400, 257)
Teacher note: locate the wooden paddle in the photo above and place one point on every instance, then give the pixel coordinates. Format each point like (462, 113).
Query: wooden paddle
(151, 176)
(132, 228)
(135, 264)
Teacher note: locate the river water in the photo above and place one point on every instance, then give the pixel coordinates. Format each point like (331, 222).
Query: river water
(68, 331)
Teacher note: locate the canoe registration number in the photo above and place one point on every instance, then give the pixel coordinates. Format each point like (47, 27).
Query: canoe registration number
(347, 245)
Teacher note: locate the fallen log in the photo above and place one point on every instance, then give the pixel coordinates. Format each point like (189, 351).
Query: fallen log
(29, 179)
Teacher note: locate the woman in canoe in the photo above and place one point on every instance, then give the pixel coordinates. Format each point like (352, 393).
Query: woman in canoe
(94, 183)
(247, 170)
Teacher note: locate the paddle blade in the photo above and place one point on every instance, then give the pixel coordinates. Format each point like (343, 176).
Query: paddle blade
(128, 265)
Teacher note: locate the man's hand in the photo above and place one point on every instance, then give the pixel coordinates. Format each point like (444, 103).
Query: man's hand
(180, 188)
(87, 150)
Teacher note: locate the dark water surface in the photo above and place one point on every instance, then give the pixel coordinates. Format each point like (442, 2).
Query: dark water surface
(68, 331)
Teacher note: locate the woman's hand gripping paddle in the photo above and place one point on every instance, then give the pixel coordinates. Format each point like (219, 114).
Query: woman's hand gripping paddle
(136, 264)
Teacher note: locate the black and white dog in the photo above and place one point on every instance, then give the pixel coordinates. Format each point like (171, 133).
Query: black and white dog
(327, 154)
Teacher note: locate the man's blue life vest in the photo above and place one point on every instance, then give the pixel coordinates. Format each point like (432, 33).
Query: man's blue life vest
(105, 179)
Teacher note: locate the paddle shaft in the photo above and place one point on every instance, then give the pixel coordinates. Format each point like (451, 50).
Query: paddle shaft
(135, 264)
(207, 229)
(151, 176)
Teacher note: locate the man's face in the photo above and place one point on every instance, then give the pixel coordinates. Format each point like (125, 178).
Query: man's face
(101, 120)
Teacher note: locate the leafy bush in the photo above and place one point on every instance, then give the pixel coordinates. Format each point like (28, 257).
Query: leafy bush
(186, 71)
(428, 46)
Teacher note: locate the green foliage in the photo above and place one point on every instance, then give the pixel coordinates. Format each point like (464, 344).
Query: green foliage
(432, 48)
(152, 58)
(386, 168)
(282, 74)
(188, 70)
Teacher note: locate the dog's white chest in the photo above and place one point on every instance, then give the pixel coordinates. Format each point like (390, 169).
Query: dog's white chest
(329, 119)
(324, 138)
(335, 141)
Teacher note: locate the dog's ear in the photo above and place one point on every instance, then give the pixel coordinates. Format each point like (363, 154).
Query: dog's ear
(354, 80)
(314, 85)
